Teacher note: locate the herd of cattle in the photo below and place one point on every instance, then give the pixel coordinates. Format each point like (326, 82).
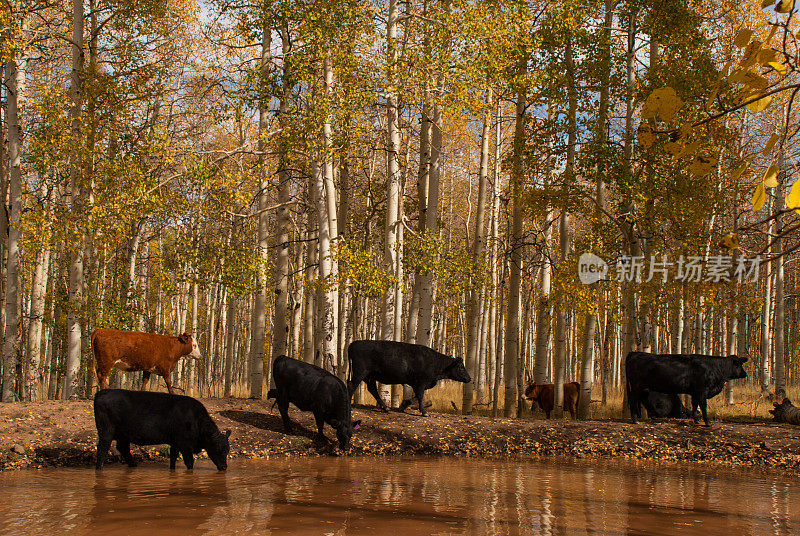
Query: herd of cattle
(183, 423)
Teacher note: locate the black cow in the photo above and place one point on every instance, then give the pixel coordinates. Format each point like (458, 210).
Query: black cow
(147, 418)
(311, 388)
(701, 376)
(662, 405)
(390, 362)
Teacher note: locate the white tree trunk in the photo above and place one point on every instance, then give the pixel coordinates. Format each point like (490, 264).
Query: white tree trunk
(779, 334)
(473, 313)
(15, 84)
(75, 298)
(512, 351)
(426, 290)
(41, 274)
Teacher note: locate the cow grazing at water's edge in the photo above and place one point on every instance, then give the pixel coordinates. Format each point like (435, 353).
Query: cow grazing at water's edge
(701, 376)
(144, 418)
(544, 395)
(391, 362)
(133, 350)
(313, 389)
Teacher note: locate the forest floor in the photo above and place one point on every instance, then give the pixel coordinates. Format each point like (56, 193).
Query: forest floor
(60, 433)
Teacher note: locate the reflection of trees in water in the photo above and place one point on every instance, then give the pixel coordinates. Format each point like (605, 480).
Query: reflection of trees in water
(414, 496)
(40, 502)
(148, 500)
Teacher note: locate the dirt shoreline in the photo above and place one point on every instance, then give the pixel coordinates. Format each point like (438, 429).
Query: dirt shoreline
(62, 434)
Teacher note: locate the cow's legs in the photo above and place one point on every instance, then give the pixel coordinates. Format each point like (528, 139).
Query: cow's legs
(174, 452)
(188, 458)
(704, 409)
(420, 394)
(145, 379)
(102, 378)
(695, 404)
(124, 448)
(320, 425)
(283, 407)
(103, 444)
(372, 387)
(634, 406)
(167, 381)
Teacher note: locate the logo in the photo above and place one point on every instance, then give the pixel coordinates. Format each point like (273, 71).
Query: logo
(591, 268)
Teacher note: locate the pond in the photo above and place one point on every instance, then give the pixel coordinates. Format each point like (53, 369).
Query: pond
(399, 496)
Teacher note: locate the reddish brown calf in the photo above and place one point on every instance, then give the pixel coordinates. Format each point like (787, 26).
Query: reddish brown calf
(134, 350)
(544, 395)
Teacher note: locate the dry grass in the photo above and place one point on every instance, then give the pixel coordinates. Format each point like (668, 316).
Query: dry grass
(748, 404)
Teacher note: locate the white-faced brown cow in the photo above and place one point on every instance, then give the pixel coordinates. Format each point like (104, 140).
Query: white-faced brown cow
(133, 350)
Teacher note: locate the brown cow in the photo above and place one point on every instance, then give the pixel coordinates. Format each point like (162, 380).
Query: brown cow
(134, 350)
(544, 395)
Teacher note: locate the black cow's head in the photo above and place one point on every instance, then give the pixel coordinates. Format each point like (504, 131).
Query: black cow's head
(344, 431)
(457, 371)
(737, 370)
(218, 448)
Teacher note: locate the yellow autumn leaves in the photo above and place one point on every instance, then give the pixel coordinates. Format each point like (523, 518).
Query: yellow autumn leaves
(663, 103)
(770, 180)
(781, 6)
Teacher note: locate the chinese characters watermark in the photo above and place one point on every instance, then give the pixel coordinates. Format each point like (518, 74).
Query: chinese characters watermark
(692, 268)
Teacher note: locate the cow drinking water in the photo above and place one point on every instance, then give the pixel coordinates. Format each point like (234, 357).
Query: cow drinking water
(314, 389)
(391, 362)
(179, 421)
(133, 350)
(701, 376)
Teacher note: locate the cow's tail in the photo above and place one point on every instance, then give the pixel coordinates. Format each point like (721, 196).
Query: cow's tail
(628, 389)
(92, 340)
(349, 372)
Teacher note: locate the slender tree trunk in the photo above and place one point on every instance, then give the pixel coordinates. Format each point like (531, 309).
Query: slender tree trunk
(765, 317)
(75, 304)
(327, 348)
(431, 229)
(15, 85)
(779, 335)
(561, 325)
(473, 312)
(331, 322)
(230, 354)
(393, 172)
(733, 325)
(312, 256)
(258, 318)
(512, 345)
(543, 308)
(192, 366)
(41, 273)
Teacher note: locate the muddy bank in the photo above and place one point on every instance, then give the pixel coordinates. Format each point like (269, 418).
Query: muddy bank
(57, 433)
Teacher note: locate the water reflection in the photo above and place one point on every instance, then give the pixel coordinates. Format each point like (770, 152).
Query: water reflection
(406, 496)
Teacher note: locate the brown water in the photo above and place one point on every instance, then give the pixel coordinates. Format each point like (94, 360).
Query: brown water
(401, 497)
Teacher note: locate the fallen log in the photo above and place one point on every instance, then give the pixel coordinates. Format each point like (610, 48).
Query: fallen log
(786, 412)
